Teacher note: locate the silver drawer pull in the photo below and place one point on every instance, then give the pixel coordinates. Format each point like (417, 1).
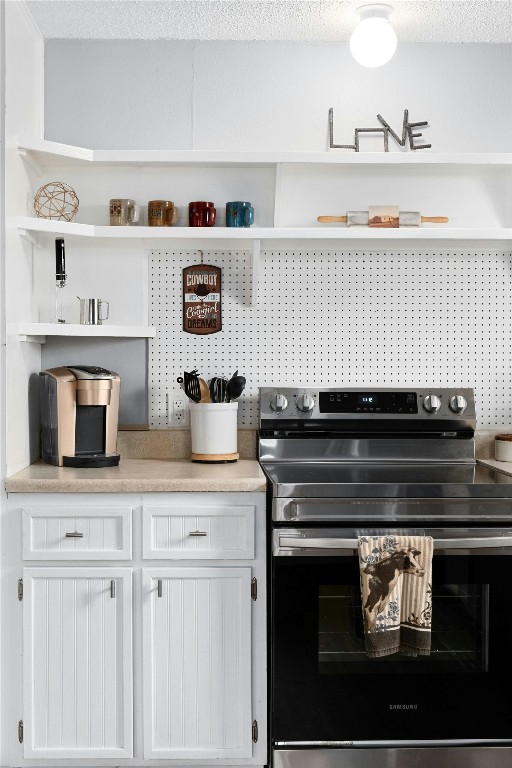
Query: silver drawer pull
(74, 535)
(198, 533)
(159, 587)
(112, 588)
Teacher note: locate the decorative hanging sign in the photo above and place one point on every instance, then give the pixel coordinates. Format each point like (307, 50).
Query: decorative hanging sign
(202, 299)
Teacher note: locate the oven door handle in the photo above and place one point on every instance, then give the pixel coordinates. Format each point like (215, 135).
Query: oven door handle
(487, 542)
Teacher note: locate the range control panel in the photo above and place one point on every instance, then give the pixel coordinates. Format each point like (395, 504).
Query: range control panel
(335, 404)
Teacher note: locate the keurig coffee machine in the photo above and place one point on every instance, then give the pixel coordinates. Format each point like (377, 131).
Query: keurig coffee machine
(79, 413)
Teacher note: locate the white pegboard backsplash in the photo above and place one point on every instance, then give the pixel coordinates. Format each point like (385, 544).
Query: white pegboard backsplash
(348, 319)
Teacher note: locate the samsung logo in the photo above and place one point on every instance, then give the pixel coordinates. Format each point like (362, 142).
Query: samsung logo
(403, 706)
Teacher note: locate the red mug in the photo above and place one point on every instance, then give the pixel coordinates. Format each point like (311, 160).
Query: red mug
(201, 214)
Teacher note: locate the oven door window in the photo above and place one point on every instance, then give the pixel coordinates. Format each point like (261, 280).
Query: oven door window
(325, 688)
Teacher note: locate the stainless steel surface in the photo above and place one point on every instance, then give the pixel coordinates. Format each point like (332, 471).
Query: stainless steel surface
(393, 481)
(74, 535)
(458, 403)
(305, 403)
(432, 403)
(323, 541)
(278, 402)
(159, 587)
(358, 450)
(447, 756)
(112, 588)
(286, 399)
(408, 511)
(198, 533)
(370, 463)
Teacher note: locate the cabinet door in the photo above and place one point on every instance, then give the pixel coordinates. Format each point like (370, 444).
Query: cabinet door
(77, 657)
(197, 663)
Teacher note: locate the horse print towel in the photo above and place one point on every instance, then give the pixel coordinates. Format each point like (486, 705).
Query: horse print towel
(396, 592)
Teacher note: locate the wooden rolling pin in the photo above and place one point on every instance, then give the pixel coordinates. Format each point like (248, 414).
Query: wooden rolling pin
(360, 219)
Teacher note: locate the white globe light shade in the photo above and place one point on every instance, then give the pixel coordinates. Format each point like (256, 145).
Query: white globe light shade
(373, 42)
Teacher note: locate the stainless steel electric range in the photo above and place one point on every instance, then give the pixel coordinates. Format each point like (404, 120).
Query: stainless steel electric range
(349, 462)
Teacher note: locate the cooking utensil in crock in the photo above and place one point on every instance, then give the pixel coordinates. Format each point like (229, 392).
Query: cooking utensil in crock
(235, 386)
(191, 385)
(218, 389)
(205, 392)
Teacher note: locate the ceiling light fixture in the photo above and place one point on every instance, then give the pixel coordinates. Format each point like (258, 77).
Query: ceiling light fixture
(373, 41)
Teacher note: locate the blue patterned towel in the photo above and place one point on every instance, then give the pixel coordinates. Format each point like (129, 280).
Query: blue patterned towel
(396, 592)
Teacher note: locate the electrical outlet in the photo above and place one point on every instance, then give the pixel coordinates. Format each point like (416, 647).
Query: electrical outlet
(177, 408)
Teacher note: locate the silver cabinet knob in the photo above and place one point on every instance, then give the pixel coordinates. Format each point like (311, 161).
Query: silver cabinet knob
(278, 402)
(432, 403)
(305, 403)
(458, 403)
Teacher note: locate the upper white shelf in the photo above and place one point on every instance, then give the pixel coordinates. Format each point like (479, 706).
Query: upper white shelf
(28, 224)
(49, 153)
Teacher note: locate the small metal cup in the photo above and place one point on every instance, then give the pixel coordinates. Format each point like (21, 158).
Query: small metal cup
(90, 311)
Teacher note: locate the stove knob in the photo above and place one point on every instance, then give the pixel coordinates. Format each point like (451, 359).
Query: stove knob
(305, 403)
(458, 403)
(432, 403)
(278, 402)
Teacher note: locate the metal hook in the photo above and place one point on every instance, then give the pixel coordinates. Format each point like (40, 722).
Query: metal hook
(201, 256)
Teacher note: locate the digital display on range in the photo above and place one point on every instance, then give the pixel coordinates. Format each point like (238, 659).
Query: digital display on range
(368, 402)
(367, 399)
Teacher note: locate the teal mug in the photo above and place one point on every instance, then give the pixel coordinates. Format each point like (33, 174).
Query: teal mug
(239, 214)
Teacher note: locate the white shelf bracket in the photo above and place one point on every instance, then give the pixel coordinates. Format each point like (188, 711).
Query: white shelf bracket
(255, 269)
(32, 339)
(29, 237)
(29, 160)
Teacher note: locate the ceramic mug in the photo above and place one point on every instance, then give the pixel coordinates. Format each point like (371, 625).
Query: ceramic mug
(90, 311)
(239, 214)
(162, 213)
(123, 212)
(201, 214)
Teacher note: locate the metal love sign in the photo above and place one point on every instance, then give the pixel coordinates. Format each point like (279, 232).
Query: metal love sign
(202, 299)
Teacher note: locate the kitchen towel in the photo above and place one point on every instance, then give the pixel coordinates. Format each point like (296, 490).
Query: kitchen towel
(396, 593)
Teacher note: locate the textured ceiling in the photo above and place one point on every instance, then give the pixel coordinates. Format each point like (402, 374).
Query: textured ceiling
(414, 20)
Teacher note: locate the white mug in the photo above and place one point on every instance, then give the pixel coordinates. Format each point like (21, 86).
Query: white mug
(90, 311)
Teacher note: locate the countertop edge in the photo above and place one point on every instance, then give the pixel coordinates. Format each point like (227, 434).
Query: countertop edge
(135, 486)
(142, 476)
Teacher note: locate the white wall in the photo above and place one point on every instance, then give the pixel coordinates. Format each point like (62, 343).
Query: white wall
(21, 93)
(3, 496)
(264, 96)
(275, 95)
(24, 53)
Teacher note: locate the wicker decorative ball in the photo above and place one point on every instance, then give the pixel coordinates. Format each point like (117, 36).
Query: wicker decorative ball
(56, 200)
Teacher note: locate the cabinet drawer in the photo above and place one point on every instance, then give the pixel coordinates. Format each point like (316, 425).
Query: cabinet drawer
(77, 533)
(198, 533)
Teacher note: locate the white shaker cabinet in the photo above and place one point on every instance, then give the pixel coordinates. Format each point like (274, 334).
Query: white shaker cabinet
(77, 662)
(197, 662)
(161, 659)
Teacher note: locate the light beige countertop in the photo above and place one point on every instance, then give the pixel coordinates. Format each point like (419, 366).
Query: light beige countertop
(141, 476)
(501, 466)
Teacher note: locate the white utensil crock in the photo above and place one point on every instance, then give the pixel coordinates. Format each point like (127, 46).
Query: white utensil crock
(503, 447)
(213, 428)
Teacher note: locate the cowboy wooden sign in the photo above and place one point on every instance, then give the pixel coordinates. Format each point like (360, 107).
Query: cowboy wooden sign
(202, 299)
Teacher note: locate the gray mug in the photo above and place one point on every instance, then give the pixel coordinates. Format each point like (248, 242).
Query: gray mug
(90, 311)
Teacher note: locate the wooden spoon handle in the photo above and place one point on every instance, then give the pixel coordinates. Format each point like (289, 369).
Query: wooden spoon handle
(327, 219)
(436, 219)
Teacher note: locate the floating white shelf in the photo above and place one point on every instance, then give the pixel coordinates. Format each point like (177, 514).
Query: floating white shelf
(341, 233)
(37, 332)
(49, 153)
